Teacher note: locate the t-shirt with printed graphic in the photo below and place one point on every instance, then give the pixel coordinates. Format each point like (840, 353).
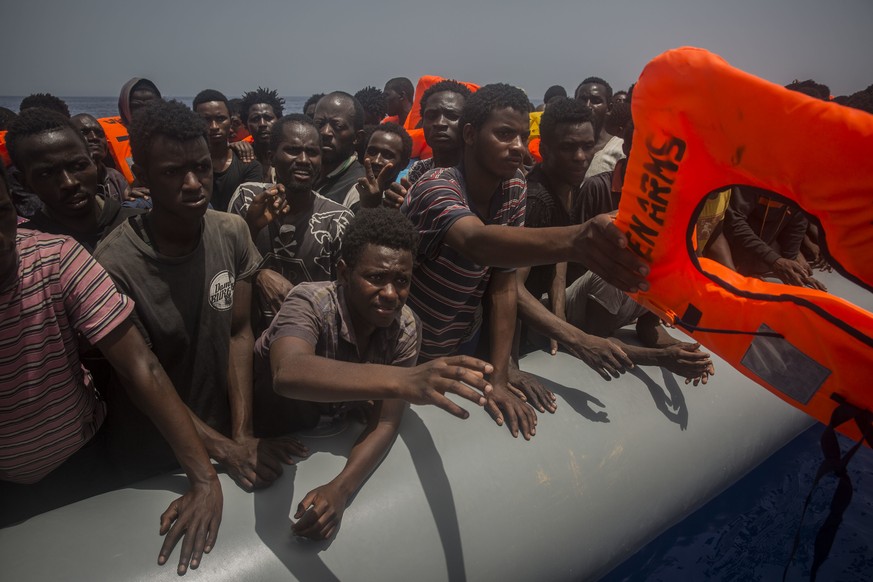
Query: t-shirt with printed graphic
(184, 309)
(305, 247)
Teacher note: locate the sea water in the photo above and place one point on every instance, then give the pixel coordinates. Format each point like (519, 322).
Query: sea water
(108, 106)
(747, 532)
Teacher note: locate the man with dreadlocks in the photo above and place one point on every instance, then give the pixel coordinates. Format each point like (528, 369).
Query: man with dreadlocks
(258, 111)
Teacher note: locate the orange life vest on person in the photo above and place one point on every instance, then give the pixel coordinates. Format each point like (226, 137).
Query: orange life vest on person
(4, 153)
(119, 145)
(701, 125)
(412, 125)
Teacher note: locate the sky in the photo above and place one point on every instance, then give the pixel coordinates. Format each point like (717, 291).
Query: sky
(91, 47)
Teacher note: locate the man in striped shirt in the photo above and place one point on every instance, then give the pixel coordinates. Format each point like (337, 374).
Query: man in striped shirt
(51, 294)
(466, 250)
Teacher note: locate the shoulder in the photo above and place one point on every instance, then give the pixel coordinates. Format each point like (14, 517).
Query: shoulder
(41, 248)
(224, 222)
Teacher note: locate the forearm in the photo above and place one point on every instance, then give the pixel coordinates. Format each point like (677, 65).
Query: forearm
(558, 292)
(509, 247)
(535, 315)
(317, 379)
(503, 294)
(373, 444)
(640, 355)
(239, 383)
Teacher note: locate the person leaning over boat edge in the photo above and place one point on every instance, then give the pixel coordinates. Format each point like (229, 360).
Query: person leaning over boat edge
(189, 269)
(58, 270)
(468, 217)
(355, 340)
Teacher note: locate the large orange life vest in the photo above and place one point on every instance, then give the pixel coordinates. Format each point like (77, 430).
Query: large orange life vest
(119, 145)
(701, 125)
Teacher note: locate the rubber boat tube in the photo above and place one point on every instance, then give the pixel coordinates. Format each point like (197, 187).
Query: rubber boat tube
(616, 465)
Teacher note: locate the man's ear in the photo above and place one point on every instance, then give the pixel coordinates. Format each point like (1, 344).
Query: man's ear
(469, 134)
(342, 272)
(140, 174)
(359, 136)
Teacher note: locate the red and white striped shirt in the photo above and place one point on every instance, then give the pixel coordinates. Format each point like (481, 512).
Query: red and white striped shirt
(48, 406)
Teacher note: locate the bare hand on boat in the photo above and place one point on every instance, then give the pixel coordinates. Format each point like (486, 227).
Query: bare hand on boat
(602, 355)
(687, 360)
(604, 250)
(320, 512)
(428, 383)
(194, 518)
(505, 407)
(531, 390)
(255, 463)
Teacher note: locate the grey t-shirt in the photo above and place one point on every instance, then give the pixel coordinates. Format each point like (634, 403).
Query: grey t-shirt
(303, 248)
(184, 304)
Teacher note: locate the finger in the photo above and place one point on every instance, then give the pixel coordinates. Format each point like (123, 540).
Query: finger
(470, 362)
(404, 181)
(185, 554)
(517, 393)
(371, 178)
(441, 401)
(553, 347)
(492, 409)
(169, 516)
(384, 174)
(305, 503)
(199, 543)
(212, 535)
(463, 391)
(511, 420)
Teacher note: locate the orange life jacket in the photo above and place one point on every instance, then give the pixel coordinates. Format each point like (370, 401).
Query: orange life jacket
(4, 153)
(701, 125)
(420, 149)
(119, 145)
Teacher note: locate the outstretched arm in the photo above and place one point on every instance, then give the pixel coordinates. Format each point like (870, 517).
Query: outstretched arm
(597, 244)
(196, 515)
(299, 373)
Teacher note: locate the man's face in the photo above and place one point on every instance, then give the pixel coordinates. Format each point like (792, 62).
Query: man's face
(393, 101)
(139, 98)
(260, 120)
(377, 287)
(58, 168)
(179, 176)
(297, 159)
(335, 118)
(500, 144)
(569, 154)
(440, 117)
(594, 96)
(384, 148)
(93, 133)
(217, 118)
(8, 228)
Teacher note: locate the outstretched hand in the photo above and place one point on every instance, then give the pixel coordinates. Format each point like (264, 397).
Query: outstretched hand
(428, 383)
(603, 248)
(320, 513)
(531, 390)
(506, 407)
(195, 517)
(370, 187)
(603, 356)
(687, 360)
(244, 151)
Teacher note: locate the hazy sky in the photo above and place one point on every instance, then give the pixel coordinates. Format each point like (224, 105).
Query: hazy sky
(90, 47)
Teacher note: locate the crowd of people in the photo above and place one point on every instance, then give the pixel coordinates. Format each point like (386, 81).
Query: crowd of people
(245, 273)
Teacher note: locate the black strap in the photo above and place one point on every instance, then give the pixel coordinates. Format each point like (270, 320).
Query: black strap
(834, 462)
